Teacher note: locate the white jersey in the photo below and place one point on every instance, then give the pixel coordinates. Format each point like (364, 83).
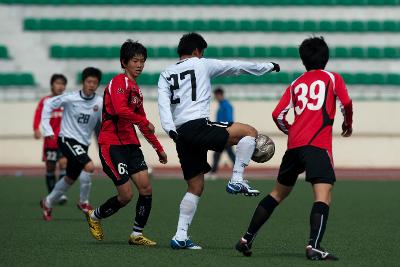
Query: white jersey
(80, 115)
(184, 89)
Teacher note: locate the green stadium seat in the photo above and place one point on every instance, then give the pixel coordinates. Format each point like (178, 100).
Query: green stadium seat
(374, 52)
(199, 25)
(357, 52)
(228, 51)
(357, 26)
(310, 26)
(215, 25)
(246, 25)
(374, 26)
(291, 52)
(342, 26)
(391, 52)
(278, 26)
(3, 52)
(16, 79)
(326, 26)
(293, 26)
(390, 26)
(393, 79)
(261, 51)
(276, 51)
(245, 52)
(184, 25)
(213, 52)
(341, 52)
(262, 25)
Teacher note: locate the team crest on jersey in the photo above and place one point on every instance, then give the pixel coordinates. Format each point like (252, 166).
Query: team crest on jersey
(96, 108)
(120, 91)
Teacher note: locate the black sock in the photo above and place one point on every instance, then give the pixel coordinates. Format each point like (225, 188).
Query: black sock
(318, 218)
(50, 181)
(143, 208)
(260, 216)
(108, 208)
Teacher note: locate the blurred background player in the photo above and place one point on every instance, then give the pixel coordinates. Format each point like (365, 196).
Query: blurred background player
(51, 152)
(313, 97)
(224, 114)
(82, 111)
(184, 94)
(120, 152)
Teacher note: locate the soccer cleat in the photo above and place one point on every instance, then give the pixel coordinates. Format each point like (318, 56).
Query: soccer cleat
(244, 247)
(62, 200)
(46, 210)
(84, 207)
(318, 254)
(94, 226)
(141, 240)
(185, 244)
(241, 187)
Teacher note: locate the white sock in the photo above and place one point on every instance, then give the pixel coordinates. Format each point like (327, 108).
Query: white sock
(244, 151)
(85, 180)
(187, 210)
(59, 189)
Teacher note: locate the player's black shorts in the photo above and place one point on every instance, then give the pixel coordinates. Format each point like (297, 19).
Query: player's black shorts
(52, 154)
(76, 154)
(314, 160)
(121, 161)
(195, 138)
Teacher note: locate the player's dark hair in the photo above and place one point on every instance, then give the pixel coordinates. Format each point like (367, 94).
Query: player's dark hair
(91, 72)
(219, 91)
(314, 52)
(189, 43)
(58, 76)
(129, 49)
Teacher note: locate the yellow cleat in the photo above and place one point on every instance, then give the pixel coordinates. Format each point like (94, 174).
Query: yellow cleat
(94, 226)
(141, 240)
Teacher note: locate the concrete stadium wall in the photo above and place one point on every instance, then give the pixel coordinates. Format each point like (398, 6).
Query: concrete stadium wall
(375, 143)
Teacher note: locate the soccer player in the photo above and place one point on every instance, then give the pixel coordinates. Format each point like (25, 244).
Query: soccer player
(224, 114)
(313, 97)
(82, 111)
(51, 151)
(119, 146)
(184, 93)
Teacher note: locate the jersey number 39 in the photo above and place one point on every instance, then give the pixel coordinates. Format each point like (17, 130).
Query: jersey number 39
(175, 86)
(305, 95)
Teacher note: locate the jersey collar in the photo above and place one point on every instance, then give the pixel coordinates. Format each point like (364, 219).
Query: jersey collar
(86, 98)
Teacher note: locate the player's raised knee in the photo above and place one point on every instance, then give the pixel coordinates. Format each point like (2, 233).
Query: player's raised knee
(89, 167)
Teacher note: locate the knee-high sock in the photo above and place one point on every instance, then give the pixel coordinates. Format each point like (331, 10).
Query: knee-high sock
(143, 208)
(59, 189)
(244, 151)
(50, 181)
(263, 211)
(108, 208)
(61, 173)
(85, 180)
(187, 209)
(318, 219)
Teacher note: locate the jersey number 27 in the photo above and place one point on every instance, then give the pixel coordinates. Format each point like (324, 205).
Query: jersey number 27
(175, 85)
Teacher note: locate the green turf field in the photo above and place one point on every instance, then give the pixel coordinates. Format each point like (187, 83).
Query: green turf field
(363, 229)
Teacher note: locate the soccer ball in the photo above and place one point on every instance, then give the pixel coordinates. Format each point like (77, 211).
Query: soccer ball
(265, 149)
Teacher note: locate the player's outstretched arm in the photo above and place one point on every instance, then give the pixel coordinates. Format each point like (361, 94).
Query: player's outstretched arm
(281, 110)
(164, 108)
(217, 67)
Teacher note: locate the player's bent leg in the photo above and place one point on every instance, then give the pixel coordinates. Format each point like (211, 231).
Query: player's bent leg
(143, 208)
(85, 180)
(107, 209)
(245, 137)
(262, 213)
(318, 220)
(62, 165)
(187, 210)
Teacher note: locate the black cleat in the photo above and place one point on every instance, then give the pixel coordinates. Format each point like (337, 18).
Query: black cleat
(318, 254)
(243, 247)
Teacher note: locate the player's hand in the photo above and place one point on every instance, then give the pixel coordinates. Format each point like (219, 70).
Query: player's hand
(276, 68)
(162, 157)
(50, 137)
(347, 130)
(173, 135)
(37, 134)
(151, 127)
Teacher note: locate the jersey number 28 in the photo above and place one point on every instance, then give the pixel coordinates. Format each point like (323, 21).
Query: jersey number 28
(303, 94)
(175, 85)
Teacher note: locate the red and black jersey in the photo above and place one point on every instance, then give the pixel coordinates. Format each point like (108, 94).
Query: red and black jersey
(313, 97)
(122, 109)
(55, 122)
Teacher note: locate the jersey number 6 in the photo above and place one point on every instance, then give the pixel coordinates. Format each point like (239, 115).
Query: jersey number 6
(175, 85)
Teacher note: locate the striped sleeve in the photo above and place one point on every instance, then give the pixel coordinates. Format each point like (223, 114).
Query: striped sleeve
(281, 110)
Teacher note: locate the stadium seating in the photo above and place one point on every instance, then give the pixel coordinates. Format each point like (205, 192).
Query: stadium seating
(38, 24)
(108, 52)
(17, 79)
(278, 78)
(208, 2)
(3, 52)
